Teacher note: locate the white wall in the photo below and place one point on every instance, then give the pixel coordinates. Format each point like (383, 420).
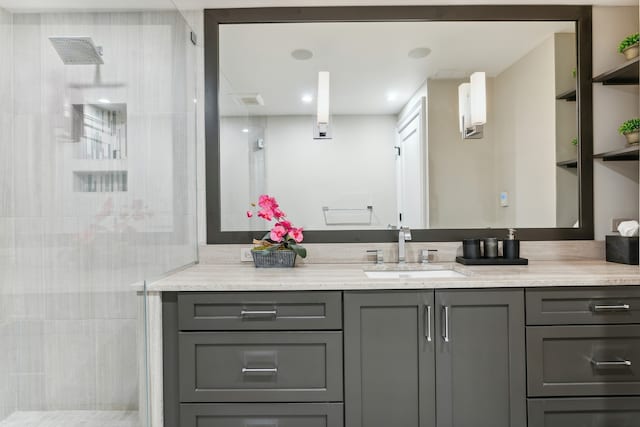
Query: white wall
(525, 139)
(353, 170)
(76, 255)
(615, 183)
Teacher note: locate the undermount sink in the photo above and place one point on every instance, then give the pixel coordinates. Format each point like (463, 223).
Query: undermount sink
(413, 274)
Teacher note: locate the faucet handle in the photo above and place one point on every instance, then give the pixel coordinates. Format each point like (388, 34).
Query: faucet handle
(379, 255)
(407, 232)
(424, 255)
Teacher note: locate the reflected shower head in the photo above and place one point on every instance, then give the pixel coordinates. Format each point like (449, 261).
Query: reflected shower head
(77, 50)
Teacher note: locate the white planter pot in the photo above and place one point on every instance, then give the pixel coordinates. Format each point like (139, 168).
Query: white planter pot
(631, 52)
(633, 137)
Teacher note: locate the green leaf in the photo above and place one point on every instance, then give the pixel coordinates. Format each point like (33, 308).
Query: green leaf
(266, 236)
(300, 250)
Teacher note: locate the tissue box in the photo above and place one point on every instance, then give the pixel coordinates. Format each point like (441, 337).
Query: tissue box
(623, 250)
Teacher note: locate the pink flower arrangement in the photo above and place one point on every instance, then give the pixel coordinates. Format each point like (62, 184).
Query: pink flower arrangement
(283, 235)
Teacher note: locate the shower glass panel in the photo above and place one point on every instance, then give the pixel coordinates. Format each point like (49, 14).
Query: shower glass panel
(97, 198)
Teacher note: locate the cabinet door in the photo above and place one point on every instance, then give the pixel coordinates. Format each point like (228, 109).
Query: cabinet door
(389, 359)
(480, 358)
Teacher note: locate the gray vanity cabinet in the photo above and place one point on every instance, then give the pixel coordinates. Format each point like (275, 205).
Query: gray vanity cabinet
(389, 359)
(480, 358)
(402, 349)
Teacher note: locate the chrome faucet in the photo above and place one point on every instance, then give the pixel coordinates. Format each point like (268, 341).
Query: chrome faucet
(403, 235)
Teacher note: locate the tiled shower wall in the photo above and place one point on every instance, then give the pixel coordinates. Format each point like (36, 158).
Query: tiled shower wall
(69, 258)
(8, 400)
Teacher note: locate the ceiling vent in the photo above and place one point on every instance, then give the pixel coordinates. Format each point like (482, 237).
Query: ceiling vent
(249, 99)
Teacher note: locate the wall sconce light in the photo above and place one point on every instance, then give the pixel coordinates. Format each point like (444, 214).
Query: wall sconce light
(472, 106)
(322, 128)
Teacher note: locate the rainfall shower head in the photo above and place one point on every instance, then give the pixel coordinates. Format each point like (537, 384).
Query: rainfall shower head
(77, 50)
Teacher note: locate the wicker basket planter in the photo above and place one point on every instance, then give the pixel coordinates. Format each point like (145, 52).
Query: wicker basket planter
(282, 258)
(632, 137)
(631, 52)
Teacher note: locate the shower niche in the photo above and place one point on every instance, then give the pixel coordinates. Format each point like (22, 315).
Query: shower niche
(100, 131)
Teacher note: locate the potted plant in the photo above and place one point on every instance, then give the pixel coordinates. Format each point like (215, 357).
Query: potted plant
(630, 130)
(629, 46)
(574, 142)
(280, 246)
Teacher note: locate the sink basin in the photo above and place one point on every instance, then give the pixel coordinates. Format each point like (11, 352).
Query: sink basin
(413, 274)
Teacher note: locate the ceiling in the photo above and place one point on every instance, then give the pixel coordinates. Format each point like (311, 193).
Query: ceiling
(371, 71)
(39, 5)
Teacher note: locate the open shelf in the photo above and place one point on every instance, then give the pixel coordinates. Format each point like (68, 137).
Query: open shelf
(569, 164)
(627, 153)
(568, 96)
(624, 74)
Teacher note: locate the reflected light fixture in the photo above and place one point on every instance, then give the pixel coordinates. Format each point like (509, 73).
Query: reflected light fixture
(392, 96)
(245, 130)
(307, 99)
(104, 101)
(472, 106)
(322, 126)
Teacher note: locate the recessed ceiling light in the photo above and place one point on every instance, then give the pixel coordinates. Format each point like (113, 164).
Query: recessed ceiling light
(245, 130)
(392, 96)
(419, 52)
(302, 54)
(307, 99)
(104, 101)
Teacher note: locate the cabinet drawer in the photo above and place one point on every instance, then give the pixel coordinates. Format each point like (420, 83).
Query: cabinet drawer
(591, 412)
(228, 311)
(262, 415)
(260, 366)
(583, 306)
(583, 360)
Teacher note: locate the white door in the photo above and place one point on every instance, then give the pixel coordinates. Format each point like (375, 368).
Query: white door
(411, 168)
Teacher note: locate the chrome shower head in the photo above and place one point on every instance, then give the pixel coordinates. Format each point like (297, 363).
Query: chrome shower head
(77, 50)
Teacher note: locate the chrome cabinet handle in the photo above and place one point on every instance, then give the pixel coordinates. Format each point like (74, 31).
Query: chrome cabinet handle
(608, 364)
(445, 324)
(427, 323)
(617, 307)
(269, 314)
(259, 371)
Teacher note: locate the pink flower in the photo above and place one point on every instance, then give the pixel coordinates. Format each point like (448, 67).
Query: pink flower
(296, 234)
(285, 224)
(249, 214)
(267, 203)
(266, 214)
(277, 233)
(278, 213)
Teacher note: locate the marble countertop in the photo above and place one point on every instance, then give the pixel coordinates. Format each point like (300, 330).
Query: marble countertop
(245, 277)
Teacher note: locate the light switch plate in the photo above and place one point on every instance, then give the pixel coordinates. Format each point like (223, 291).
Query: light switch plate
(504, 199)
(245, 255)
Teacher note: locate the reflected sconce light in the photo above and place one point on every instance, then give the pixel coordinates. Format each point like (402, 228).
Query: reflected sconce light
(322, 128)
(472, 106)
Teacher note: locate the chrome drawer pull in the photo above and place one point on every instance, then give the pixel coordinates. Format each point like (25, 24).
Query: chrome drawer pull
(427, 322)
(267, 314)
(445, 325)
(607, 364)
(618, 307)
(259, 371)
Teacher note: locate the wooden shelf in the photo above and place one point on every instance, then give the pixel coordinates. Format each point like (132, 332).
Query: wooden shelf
(627, 153)
(624, 74)
(568, 96)
(569, 164)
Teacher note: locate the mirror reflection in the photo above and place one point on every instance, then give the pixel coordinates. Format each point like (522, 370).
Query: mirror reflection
(426, 125)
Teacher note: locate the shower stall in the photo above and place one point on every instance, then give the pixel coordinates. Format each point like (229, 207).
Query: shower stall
(97, 198)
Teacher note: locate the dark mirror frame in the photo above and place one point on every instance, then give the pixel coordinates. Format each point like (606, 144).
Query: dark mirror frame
(582, 15)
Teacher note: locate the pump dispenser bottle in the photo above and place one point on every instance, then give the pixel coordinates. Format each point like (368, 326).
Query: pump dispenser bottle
(511, 246)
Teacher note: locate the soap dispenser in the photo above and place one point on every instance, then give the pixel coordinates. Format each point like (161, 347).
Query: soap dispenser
(511, 246)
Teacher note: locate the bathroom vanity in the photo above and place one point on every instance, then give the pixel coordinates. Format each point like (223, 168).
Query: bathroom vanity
(549, 344)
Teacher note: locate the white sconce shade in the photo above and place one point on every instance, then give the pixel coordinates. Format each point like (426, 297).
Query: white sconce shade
(478, 98)
(463, 105)
(323, 97)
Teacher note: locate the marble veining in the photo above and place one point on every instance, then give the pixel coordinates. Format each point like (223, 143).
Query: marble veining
(245, 277)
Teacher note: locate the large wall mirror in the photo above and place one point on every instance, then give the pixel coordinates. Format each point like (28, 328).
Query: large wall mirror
(453, 121)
